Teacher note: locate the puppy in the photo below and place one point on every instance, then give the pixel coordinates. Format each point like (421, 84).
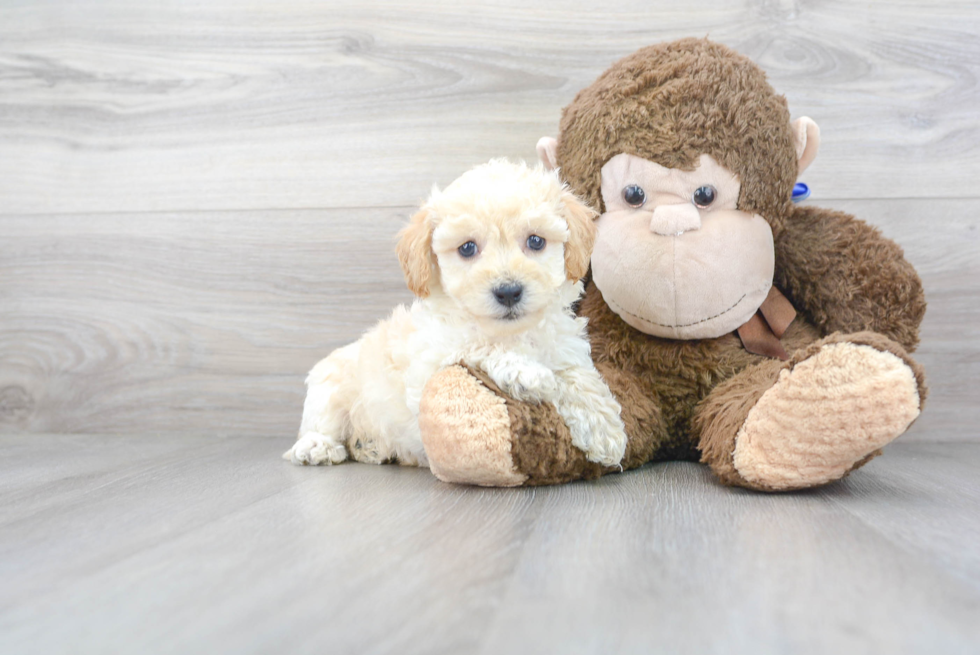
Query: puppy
(495, 261)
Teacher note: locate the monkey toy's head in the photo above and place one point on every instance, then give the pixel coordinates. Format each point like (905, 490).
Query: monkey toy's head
(690, 157)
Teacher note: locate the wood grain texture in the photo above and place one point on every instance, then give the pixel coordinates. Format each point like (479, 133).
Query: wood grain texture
(207, 323)
(110, 106)
(182, 544)
(183, 322)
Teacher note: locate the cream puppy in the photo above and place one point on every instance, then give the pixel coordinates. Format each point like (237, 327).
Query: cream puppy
(495, 260)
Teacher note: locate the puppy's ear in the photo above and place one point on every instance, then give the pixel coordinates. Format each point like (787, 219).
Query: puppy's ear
(581, 235)
(415, 252)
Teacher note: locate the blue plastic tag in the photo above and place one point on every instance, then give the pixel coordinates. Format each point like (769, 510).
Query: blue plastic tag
(800, 192)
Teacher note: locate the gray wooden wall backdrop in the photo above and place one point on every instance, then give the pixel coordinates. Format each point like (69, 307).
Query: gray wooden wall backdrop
(198, 200)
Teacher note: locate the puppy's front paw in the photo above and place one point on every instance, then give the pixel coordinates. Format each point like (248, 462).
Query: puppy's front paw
(607, 446)
(530, 382)
(315, 448)
(596, 427)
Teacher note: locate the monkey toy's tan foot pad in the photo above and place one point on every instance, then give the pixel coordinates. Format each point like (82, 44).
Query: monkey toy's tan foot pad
(827, 414)
(466, 431)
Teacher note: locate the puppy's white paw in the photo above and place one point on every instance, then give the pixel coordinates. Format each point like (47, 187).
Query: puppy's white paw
(606, 446)
(315, 448)
(529, 382)
(596, 427)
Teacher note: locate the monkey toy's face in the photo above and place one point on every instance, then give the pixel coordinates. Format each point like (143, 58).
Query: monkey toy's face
(674, 257)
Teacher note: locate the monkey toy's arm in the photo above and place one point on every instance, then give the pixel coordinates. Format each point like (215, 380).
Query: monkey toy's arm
(846, 277)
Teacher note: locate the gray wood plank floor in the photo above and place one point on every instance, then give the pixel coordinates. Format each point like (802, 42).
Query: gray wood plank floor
(203, 544)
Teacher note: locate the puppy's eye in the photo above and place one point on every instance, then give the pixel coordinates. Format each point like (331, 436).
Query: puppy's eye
(634, 196)
(704, 196)
(467, 250)
(534, 242)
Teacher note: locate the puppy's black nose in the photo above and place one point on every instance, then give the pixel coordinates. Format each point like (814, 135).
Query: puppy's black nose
(508, 295)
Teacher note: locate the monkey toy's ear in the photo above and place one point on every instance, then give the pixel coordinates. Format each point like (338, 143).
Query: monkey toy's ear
(806, 138)
(548, 152)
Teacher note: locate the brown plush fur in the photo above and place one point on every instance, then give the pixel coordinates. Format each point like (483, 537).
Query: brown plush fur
(669, 104)
(720, 416)
(845, 276)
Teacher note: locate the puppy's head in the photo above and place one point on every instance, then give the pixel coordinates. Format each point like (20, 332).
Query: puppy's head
(500, 242)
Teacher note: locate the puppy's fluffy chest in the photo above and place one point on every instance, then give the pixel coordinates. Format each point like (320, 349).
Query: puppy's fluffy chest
(433, 338)
(557, 341)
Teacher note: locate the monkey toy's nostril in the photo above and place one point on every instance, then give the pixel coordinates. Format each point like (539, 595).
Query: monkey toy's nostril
(508, 295)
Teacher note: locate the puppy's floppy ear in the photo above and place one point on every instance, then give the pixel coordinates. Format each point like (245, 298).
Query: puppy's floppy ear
(415, 252)
(581, 235)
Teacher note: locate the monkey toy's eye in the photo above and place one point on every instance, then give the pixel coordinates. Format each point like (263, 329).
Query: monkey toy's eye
(634, 196)
(704, 196)
(534, 242)
(467, 250)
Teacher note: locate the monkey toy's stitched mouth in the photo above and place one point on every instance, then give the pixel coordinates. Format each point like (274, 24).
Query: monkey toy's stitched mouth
(619, 310)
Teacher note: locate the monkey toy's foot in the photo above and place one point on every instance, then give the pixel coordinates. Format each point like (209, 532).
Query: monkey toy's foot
(825, 415)
(466, 431)
(475, 434)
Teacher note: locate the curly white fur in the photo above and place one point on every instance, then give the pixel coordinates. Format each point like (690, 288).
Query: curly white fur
(363, 399)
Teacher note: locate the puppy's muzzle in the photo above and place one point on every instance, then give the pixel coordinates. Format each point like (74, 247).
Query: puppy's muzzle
(508, 295)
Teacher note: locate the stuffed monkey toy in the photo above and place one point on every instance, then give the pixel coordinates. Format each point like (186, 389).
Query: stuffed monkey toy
(768, 340)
